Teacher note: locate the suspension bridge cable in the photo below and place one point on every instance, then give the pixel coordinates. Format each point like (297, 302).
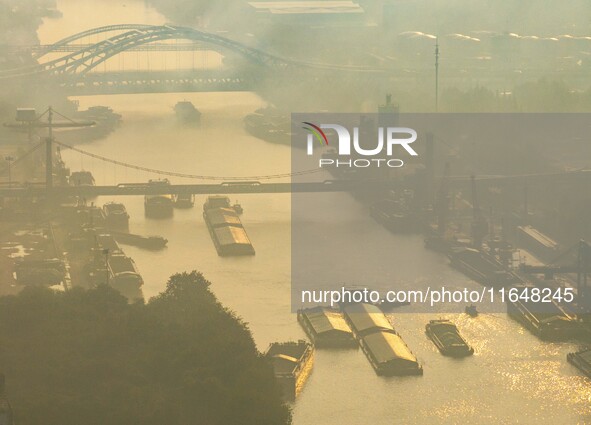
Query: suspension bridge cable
(185, 175)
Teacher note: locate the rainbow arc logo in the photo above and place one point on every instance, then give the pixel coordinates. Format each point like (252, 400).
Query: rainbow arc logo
(316, 132)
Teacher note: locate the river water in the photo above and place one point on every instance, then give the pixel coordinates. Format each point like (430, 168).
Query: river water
(512, 378)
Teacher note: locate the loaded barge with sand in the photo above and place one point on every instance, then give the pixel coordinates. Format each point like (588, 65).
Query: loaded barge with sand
(292, 364)
(383, 346)
(225, 227)
(326, 327)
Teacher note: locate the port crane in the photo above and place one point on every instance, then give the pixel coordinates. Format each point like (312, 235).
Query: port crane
(479, 224)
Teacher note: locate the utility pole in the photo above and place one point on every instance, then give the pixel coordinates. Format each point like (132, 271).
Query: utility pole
(49, 152)
(9, 159)
(437, 74)
(106, 254)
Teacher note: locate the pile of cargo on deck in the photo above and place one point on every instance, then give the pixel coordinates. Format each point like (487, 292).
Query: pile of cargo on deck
(292, 364)
(384, 348)
(225, 227)
(326, 327)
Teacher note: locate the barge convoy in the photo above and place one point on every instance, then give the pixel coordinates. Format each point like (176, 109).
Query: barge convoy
(225, 227)
(292, 364)
(383, 346)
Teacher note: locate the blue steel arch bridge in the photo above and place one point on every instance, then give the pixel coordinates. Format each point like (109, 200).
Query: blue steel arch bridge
(73, 66)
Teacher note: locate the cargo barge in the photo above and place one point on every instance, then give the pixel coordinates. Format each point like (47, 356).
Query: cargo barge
(482, 267)
(146, 242)
(270, 125)
(447, 338)
(186, 112)
(383, 346)
(184, 200)
(106, 241)
(548, 321)
(581, 360)
(158, 206)
(394, 216)
(292, 364)
(225, 228)
(326, 328)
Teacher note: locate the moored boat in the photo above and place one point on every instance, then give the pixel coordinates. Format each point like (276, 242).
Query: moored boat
(147, 242)
(292, 364)
(546, 320)
(482, 267)
(116, 216)
(471, 310)
(184, 200)
(123, 274)
(581, 360)
(447, 338)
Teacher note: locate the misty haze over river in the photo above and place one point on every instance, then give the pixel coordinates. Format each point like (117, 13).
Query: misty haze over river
(526, 380)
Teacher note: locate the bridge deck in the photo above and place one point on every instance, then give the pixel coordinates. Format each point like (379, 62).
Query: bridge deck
(207, 189)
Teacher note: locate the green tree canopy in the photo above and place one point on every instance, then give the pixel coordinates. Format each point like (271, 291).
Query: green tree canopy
(88, 357)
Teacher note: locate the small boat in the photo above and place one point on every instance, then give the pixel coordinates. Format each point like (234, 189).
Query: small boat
(186, 112)
(471, 310)
(184, 200)
(447, 338)
(238, 208)
(116, 215)
(292, 364)
(581, 360)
